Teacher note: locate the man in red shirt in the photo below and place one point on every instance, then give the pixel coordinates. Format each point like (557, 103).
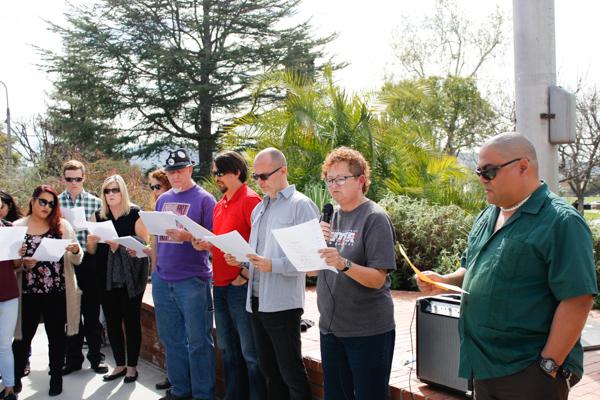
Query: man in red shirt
(234, 331)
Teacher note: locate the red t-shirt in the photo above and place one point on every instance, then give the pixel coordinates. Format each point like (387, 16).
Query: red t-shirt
(232, 215)
(8, 281)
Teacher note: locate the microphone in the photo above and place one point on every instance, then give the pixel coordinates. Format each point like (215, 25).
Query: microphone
(327, 213)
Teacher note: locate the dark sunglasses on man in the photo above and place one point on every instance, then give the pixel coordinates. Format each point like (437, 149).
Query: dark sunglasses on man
(70, 180)
(44, 202)
(489, 172)
(265, 176)
(112, 190)
(218, 173)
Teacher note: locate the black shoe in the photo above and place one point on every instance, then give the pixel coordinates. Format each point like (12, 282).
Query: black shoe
(131, 379)
(164, 385)
(112, 377)
(55, 385)
(100, 368)
(67, 369)
(169, 396)
(10, 396)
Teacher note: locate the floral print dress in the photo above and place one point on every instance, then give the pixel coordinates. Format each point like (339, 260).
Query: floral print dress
(45, 277)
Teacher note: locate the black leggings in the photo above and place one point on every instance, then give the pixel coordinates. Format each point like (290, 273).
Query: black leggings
(120, 309)
(52, 307)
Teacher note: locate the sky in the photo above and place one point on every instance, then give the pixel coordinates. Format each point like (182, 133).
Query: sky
(365, 32)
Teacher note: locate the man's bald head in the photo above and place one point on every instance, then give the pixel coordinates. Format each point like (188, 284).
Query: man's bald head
(275, 157)
(512, 145)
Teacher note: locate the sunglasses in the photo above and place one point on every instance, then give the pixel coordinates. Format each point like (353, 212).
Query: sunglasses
(155, 187)
(218, 173)
(70, 180)
(489, 172)
(264, 177)
(44, 202)
(112, 190)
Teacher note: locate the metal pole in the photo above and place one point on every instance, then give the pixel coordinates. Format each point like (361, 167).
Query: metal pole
(535, 71)
(8, 131)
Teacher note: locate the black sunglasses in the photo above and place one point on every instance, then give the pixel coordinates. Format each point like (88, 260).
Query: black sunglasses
(155, 187)
(489, 172)
(112, 190)
(44, 202)
(218, 173)
(264, 177)
(78, 179)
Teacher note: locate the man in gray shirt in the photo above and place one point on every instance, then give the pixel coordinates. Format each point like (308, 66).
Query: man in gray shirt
(276, 292)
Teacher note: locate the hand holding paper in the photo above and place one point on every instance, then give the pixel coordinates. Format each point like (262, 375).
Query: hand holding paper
(425, 278)
(131, 243)
(11, 237)
(50, 249)
(157, 222)
(232, 243)
(105, 230)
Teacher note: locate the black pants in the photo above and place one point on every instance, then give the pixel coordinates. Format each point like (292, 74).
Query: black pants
(52, 307)
(91, 282)
(278, 344)
(120, 310)
(530, 384)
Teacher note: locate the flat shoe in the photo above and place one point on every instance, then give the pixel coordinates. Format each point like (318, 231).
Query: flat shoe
(112, 377)
(131, 379)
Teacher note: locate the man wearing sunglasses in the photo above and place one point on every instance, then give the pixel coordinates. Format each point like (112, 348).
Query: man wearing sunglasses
(276, 289)
(530, 275)
(243, 378)
(89, 278)
(181, 286)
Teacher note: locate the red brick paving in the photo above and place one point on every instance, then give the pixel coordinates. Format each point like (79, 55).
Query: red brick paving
(401, 386)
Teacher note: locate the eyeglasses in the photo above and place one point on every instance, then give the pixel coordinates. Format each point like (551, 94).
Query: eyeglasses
(339, 181)
(264, 177)
(218, 173)
(70, 180)
(44, 202)
(489, 172)
(112, 190)
(155, 187)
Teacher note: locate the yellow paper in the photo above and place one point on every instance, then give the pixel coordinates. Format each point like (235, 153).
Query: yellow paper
(425, 278)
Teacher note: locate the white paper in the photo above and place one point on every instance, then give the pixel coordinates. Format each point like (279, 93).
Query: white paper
(76, 217)
(12, 238)
(51, 249)
(232, 243)
(105, 230)
(197, 230)
(157, 222)
(132, 243)
(301, 244)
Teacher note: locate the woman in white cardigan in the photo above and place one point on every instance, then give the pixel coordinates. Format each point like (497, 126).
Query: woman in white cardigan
(48, 289)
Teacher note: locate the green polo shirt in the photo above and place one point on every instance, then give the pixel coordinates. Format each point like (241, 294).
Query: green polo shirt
(516, 278)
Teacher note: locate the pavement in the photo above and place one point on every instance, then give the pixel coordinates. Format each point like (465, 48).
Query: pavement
(85, 384)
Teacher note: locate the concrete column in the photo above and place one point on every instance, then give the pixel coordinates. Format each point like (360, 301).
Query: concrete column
(535, 70)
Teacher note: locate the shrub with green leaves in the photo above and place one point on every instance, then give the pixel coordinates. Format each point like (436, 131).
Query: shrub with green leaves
(433, 236)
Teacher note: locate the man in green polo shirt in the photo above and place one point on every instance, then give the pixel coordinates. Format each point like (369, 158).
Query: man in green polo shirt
(529, 270)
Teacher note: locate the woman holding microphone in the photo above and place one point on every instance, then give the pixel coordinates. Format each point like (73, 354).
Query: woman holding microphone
(357, 313)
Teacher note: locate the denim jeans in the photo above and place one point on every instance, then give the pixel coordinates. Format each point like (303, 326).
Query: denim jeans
(8, 315)
(235, 339)
(184, 313)
(357, 367)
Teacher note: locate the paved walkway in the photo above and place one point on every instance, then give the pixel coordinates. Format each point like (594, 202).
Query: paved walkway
(85, 384)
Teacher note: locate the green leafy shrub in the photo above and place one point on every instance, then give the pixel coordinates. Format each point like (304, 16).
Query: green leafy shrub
(433, 236)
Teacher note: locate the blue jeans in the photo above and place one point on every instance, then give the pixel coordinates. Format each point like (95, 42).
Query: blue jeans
(357, 367)
(184, 313)
(234, 338)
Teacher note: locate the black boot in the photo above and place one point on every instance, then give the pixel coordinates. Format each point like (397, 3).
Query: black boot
(55, 385)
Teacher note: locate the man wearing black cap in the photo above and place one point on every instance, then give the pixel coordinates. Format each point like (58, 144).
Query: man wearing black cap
(181, 286)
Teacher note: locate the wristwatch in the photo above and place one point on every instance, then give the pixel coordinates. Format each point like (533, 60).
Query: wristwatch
(548, 365)
(347, 265)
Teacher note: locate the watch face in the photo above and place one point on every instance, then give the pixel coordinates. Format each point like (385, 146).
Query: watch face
(548, 365)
